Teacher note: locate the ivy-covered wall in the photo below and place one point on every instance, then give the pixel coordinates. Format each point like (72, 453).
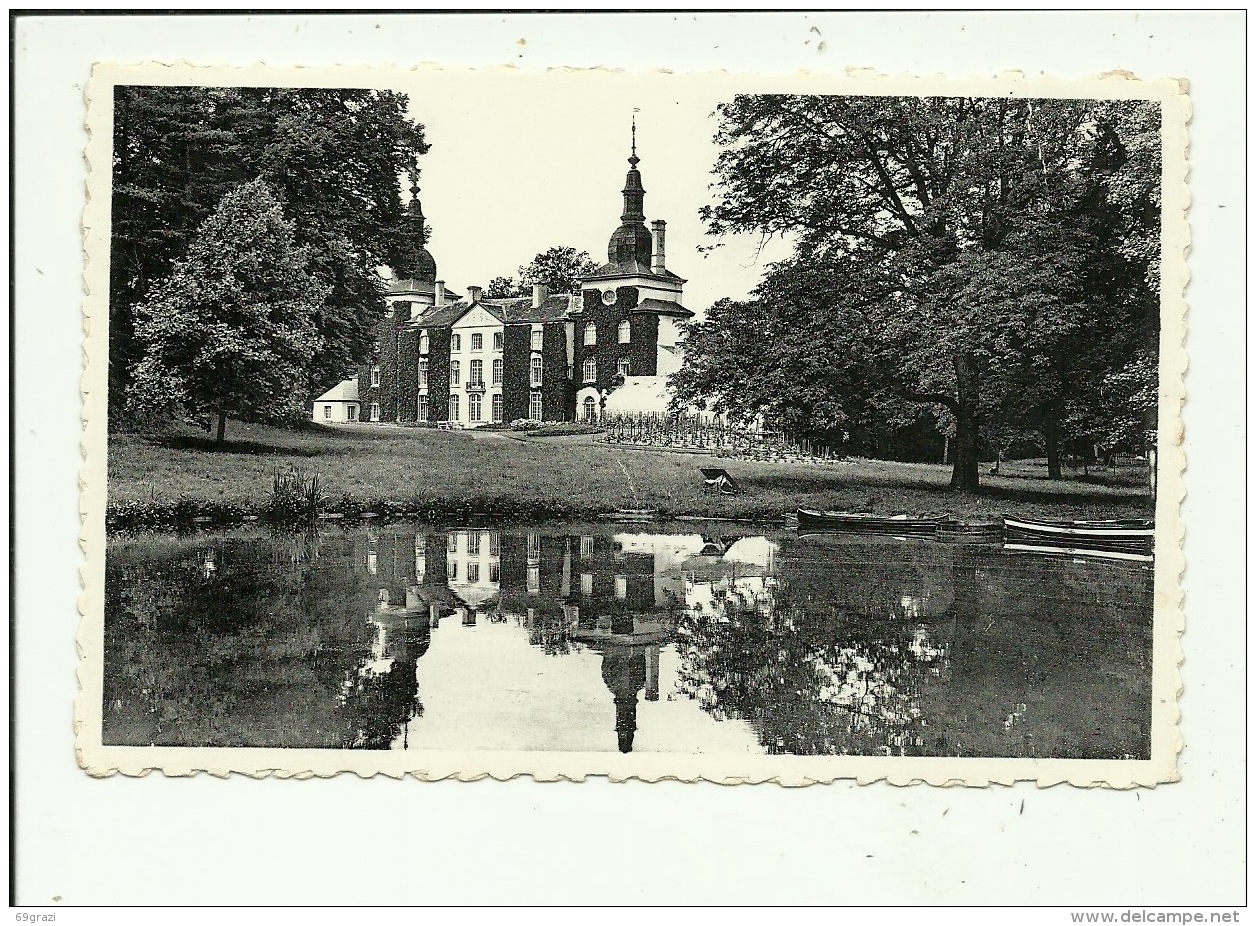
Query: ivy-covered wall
(438, 374)
(515, 358)
(641, 350)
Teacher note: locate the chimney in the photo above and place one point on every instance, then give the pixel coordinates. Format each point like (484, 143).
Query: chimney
(538, 295)
(473, 293)
(659, 264)
(440, 293)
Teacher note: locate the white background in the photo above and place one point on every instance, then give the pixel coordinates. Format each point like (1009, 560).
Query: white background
(353, 841)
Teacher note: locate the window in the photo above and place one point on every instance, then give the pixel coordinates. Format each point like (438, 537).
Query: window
(326, 411)
(453, 543)
(621, 587)
(455, 342)
(473, 572)
(590, 334)
(455, 372)
(494, 572)
(353, 412)
(477, 372)
(497, 372)
(477, 341)
(534, 406)
(497, 340)
(475, 403)
(534, 580)
(423, 409)
(375, 411)
(625, 331)
(497, 408)
(453, 571)
(473, 543)
(422, 372)
(375, 375)
(586, 547)
(534, 376)
(624, 366)
(494, 543)
(453, 408)
(586, 583)
(533, 544)
(537, 335)
(590, 371)
(590, 408)
(424, 343)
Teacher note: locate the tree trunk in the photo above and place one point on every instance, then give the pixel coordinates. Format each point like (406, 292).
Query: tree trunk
(1051, 434)
(964, 474)
(221, 438)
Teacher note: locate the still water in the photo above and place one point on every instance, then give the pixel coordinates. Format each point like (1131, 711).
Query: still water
(696, 637)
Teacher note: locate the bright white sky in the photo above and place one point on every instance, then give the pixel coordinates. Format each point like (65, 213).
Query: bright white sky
(522, 161)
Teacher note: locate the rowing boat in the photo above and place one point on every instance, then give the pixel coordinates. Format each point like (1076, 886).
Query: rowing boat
(902, 525)
(1133, 536)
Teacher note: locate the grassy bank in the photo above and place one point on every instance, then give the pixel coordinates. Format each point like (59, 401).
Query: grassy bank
(446, 474)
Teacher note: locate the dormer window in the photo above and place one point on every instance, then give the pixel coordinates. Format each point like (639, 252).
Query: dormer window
(590, 334)
(625, 331)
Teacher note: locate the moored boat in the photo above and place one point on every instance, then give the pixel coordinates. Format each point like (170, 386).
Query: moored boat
(1132, 536)
(810, 519)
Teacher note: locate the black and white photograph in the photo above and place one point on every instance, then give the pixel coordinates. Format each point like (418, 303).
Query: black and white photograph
(733, 427)
(628, 458)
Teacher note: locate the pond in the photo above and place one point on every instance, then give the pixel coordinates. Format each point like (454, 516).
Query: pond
(696, 637)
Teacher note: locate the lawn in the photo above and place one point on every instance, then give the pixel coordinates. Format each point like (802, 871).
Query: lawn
(503, 472)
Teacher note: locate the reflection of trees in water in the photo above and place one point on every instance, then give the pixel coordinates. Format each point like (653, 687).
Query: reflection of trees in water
(252, 651)
(810, 682)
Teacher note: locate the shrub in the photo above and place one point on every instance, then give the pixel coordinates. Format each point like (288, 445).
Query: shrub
(525, 424)
(295, 496)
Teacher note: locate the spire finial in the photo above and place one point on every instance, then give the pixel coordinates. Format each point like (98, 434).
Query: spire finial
(414, 179)
(634, 160)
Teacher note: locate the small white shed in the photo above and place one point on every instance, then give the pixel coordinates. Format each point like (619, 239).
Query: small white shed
(339, 404)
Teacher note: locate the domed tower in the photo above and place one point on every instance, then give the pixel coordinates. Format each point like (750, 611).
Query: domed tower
(625, 336)
(631, 245)
(634, 255)
(414, 277)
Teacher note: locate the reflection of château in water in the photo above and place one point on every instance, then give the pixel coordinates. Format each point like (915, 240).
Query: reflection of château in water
(618, 596)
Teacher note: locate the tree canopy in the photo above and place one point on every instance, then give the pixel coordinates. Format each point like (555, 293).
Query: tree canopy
(231, 329)
(559, 269)
(993, 259)
(333, 155)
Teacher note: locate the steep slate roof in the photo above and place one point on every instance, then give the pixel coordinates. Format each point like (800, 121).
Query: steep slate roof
(449, 314)
(344, 391)
(663, 307)
(552, 308)
(632, 268)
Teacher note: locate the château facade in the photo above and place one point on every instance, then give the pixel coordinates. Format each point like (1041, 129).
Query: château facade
(469, 361)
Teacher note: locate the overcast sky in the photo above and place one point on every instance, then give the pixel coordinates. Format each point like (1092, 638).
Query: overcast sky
(521, 162)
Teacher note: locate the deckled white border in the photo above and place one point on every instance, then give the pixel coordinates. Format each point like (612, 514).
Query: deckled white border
(102, 760)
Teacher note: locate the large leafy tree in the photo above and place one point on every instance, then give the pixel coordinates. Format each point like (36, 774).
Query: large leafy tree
(231, 330)
(559, 269)
(334, 155)
(964, 236)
